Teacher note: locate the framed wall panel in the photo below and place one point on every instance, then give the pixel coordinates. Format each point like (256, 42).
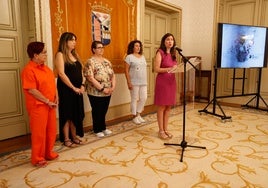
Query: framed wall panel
(8, 49)
(68, 15)
(7, 20)
(11, 102)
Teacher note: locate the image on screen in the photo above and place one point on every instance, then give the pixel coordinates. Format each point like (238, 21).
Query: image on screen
(242, 46)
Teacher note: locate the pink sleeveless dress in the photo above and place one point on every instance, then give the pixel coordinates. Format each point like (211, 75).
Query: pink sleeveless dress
(165, 85)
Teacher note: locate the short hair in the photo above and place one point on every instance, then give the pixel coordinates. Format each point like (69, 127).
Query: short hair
(94, 45)
(35, 48)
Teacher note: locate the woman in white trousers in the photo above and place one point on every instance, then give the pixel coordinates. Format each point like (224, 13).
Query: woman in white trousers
(136, 75)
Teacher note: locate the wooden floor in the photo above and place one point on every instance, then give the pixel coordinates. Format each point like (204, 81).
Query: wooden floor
(24, 142)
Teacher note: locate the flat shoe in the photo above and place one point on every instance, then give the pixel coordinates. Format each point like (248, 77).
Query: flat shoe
(136, 120)
(52, 156)
(107, 132)
(40, 164)
(77, 141)
(100, 134)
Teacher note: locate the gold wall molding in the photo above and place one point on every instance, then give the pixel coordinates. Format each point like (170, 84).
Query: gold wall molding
(58, 19)
(68, 15)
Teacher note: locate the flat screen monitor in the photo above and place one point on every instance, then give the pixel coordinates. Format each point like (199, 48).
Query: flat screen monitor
(241, 46)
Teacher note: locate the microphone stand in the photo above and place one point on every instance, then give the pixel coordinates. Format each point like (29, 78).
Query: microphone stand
(183, 143)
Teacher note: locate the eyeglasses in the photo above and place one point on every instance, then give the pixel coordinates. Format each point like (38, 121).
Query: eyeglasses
(100, 47)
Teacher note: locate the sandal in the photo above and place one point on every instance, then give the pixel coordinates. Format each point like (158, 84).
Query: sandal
(162, 135)
(169, 134)
(40, 164)
(69, 143)
(77, 141)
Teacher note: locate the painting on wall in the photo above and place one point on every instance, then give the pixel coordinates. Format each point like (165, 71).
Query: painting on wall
(101, 27)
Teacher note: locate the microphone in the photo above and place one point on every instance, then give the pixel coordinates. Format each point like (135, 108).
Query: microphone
(177, 48)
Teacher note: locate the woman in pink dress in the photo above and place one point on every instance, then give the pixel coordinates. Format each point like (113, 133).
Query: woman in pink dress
(165, 86)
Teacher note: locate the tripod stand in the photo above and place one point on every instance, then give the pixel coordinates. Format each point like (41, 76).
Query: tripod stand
(257, 96)
(184, 143)
(215, 102)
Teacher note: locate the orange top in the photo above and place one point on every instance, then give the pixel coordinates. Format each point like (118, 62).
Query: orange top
(40, 77)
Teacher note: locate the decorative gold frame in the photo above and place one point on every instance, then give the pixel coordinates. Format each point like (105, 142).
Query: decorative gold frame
(68, 15)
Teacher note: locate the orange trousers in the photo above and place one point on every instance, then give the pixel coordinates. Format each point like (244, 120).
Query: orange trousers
(43, 128)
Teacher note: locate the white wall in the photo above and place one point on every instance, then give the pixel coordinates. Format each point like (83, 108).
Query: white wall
(197, 29)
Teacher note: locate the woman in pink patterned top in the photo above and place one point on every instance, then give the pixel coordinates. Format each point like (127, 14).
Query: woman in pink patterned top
(100, 84)
(165, 86)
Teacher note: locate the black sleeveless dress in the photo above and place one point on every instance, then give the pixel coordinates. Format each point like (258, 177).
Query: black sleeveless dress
(71, 105)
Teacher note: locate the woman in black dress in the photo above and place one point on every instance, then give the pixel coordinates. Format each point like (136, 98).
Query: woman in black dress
(70, 84)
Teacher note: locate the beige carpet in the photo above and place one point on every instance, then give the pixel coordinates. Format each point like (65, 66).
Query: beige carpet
(236, 156)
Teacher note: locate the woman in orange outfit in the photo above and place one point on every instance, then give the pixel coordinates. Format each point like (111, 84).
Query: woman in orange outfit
(41, 97)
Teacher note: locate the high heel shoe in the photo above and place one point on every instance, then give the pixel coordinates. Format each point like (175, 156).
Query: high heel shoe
(162, 135)
(168, 134)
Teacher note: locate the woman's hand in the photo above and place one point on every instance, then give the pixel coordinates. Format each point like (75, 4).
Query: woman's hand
(82, 89)
(129, 86)
(174, 67)
(78, 91)
(52, 104)
(108, 91)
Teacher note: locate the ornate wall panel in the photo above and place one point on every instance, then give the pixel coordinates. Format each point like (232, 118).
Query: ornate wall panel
(79, 18)
(8, 50)
(11, 104)
(147, 28)
(6, 15)
(241, 12)
(264, 13)
(17, 127)
(161, 27)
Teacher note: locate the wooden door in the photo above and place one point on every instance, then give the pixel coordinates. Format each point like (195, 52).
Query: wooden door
(157, 22)
(13, 116)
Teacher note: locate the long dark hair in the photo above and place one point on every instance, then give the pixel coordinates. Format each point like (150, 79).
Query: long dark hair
(63, 48)
(163, 47)
(130, 48)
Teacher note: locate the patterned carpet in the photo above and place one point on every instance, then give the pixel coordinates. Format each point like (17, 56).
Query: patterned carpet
(236, 155)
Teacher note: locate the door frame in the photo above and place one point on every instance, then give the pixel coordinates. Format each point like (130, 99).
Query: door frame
(175, 20)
